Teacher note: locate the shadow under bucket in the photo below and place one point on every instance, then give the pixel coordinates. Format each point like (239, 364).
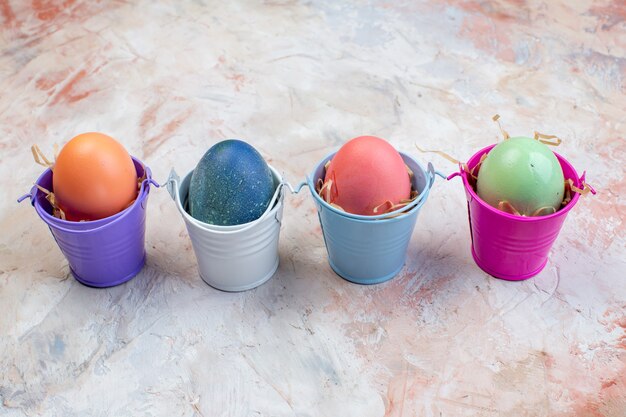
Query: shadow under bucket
(508, 246)
(370, 249)
(104, 252)
(233, 258)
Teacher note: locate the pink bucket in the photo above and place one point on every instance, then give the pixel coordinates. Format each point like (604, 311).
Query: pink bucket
(507, 246)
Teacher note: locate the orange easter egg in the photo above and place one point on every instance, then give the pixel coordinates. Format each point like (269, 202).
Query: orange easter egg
(366, 173)
(93, 177)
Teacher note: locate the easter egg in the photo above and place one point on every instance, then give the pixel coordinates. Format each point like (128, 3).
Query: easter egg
(93, 177)
(232, 184)
(366, 173)
(523, 172)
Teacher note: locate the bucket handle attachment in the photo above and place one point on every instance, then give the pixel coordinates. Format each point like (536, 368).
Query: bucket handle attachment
(586, 187)
(31, 195)
(457, 173)
(172, 185)
(297, 189)
(144, 184)
(433, 173)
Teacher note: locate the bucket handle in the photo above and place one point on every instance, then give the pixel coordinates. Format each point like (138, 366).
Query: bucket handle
(31, 195)
(456, 173)
(585, 185)
(297, 189)
(433, 173)
(144, 184)
(172, 185)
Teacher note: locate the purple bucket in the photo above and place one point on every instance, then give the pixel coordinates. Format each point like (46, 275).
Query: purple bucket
(513, 247)
(104, 252)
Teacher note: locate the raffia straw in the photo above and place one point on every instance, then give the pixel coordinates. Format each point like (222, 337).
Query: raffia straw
(319, 184)
(394, 207)
(40, 158)
(143, 177)
(391, 206)
(440, 153)
(477, 166)
(453, 160)
(540, 210)
(325, 188)
(505, 134)
(56, 210)
(386, 203)
(546, 139)
(508, 208)
(402, 203)
(582, 191)
(567, 197)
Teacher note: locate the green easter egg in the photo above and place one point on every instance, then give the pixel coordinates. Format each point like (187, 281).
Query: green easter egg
(523, 172)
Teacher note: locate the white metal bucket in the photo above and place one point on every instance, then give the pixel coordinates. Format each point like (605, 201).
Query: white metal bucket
(233, 258)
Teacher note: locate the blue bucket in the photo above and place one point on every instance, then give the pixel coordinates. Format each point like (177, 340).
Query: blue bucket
(370, 249)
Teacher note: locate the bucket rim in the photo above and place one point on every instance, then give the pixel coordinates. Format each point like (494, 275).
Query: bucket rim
(392, 215)
(52, 221)
(269, 213)
(473, 160)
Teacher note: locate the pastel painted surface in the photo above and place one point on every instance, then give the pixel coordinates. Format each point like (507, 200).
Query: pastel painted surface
(171, 78)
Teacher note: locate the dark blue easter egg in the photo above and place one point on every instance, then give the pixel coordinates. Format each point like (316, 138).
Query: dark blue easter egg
(232, 184)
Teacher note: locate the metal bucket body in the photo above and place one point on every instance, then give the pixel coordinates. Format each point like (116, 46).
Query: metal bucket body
(369, 249)
(508, 246)
(105, 252)
(233, 258)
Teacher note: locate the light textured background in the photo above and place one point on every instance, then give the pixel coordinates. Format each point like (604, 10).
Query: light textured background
(297, 79)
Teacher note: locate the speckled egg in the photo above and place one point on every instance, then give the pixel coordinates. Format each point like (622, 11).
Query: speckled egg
(523, 172)
(232, 184)
(365, 173)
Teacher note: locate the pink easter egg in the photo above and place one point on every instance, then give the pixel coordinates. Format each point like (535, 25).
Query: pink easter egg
(367, 173)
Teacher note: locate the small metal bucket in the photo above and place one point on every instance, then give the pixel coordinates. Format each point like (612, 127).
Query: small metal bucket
(233, 258)
(370, 249)
(104, 252)
(508, 246)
